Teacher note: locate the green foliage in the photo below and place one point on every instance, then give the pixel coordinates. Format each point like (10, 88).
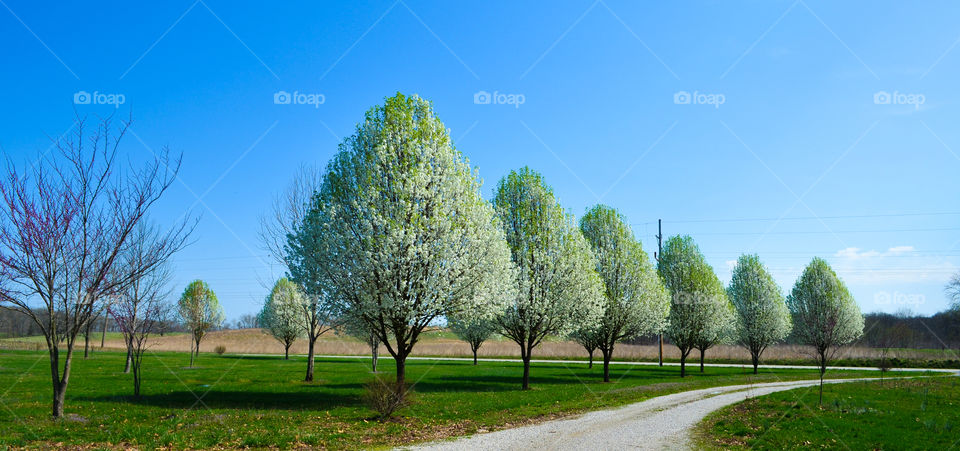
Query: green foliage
(700, 312)
(825, 315)
(472, 331)
(558, 288)
(635, 300)
(220, 349)
(199, 309)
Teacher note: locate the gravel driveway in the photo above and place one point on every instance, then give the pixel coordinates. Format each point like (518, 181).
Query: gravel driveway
(664, 422)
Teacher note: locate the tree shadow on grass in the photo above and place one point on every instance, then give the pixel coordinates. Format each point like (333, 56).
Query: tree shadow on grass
(237, 399)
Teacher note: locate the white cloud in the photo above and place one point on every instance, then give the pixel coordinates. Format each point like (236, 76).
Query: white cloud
(898, 264)
(900, 249)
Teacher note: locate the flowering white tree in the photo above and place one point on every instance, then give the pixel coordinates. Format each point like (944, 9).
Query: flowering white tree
(588, 338)
(825, 315)
(282, 314)
(762, 316)
(700, 313)
(200, 311)
(472, 331)
(635, 301)
(557, 289)
(405, 235)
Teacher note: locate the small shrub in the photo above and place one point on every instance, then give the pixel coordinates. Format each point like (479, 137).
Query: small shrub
(386, 397)
(220, 349)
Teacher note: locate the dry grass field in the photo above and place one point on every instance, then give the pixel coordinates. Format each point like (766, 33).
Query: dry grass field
(442, 343)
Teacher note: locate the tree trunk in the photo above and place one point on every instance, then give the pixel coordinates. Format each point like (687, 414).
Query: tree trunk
(660, 359)
(525, 355)
(474, 356)
(756, 362)
(126, 369)
(103, 335)
(401, 370)
(607, 354)
(683, 363)
(309, 377)
(59, 384)
(191, 352)
(136, 380)
(375, 353)
(823, 369)
(86, 342)
(701, 360)
(286, 351)
(820, 402)
(59, 393)
(590, 365)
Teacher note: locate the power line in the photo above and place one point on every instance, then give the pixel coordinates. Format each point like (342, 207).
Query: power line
(819, 232)
(808, 218)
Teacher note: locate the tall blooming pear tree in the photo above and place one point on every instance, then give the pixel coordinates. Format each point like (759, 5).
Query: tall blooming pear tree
(557, 288)
(825, 315)
(762, 317)
(404, 235)
(700, 313)
(635, 302)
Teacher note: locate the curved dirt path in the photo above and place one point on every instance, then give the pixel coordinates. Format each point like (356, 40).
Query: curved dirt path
(664, 422)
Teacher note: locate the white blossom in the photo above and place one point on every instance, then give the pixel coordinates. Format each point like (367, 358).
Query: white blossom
(404, 235)
(635, 302)
(557, 289)
(762, 316)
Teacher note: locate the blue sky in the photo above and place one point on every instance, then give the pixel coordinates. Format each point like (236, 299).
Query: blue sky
(792, 129)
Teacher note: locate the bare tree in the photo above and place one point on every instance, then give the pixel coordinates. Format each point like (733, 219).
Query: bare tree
(953, 292)
(289, 211)
(63, 225)
(137, 308)
(248, 321)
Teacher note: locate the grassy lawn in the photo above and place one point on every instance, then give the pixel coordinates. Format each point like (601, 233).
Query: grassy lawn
(901, 414)
(261, 401)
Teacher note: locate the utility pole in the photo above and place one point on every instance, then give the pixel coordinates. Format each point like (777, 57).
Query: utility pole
(657, 257)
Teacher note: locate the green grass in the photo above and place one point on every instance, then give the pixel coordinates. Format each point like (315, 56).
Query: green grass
(262, 401)
(900, 414)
